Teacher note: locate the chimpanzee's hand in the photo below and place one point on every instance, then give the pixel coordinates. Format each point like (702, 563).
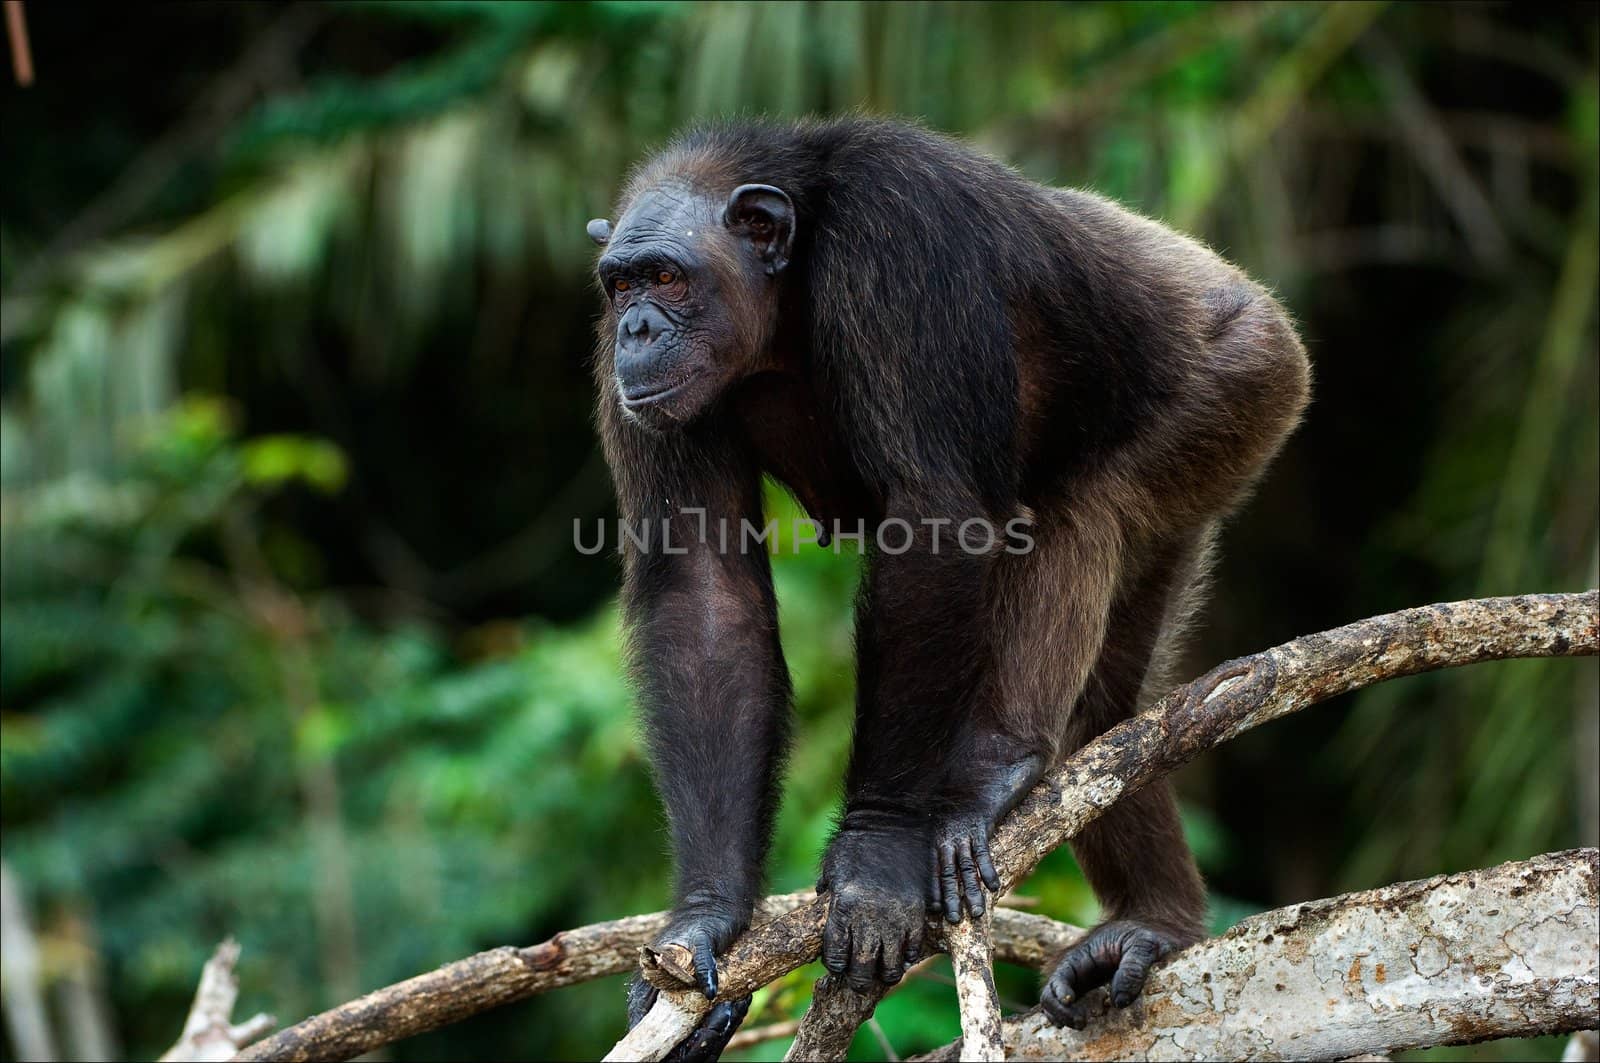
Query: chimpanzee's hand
(706, 926)
(706, 1042)
(877, 881)
(1120, 953)
(997, 775)
(961, 848)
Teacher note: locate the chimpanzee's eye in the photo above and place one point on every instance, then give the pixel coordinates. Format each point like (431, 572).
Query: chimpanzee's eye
(665, 277)
(621, 286)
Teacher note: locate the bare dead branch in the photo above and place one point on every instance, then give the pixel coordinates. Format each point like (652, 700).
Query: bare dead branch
(968, 945)
(1504, 952)
(209, 1033)
(1228, 701)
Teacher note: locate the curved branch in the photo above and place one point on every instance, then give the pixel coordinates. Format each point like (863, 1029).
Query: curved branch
(1229, 700)
(1504, 952)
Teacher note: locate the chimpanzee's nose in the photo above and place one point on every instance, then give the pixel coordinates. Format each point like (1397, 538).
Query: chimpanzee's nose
(640, 325)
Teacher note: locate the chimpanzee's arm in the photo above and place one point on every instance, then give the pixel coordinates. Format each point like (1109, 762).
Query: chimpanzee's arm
(925, 688)
(711, 676)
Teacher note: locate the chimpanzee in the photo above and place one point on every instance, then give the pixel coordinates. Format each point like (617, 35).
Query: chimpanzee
(909, 334)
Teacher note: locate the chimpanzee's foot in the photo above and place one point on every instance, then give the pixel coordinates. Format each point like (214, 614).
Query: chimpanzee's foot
(706, 926)
(876, 880)
(707, 1040)
(999, 777)
(1119, 953)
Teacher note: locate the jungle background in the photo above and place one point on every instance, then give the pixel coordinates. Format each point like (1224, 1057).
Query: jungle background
(296, 420)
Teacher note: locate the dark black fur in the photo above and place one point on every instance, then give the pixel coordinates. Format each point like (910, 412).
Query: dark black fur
(947, 340)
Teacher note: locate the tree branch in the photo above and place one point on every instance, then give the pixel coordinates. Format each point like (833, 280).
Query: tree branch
(1455, 959)
(209, 1034)
(831, 1021)
(466, 987)
(1228, 701)
(968, 945)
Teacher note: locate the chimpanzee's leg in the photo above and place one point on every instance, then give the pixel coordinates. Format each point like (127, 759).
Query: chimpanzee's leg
(1134, 855)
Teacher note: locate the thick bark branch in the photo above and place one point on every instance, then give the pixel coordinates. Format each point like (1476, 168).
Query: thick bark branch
(1504, 952)
(1229, 700)
(831, 1022)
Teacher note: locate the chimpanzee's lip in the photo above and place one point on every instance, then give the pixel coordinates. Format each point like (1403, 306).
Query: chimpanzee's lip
(650, 397)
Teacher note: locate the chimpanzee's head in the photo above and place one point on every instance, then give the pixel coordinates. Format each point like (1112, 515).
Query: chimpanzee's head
(692, 280)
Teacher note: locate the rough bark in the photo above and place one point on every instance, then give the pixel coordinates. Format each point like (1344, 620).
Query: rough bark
(1504, 952)
(1231, 699)
(978, 1000)
(831, 1022)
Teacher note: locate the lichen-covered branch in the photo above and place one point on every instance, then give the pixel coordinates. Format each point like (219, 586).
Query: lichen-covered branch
(978, 1000)
(1229, 700)
(1504, 952)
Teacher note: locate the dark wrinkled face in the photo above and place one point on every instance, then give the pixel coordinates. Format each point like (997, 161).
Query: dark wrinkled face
(692, 288)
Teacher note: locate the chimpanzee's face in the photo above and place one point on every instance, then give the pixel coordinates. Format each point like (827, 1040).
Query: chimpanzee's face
(692, 283)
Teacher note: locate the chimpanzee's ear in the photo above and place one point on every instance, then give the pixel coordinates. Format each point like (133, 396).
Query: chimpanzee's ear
(764, 215)
(599, 231)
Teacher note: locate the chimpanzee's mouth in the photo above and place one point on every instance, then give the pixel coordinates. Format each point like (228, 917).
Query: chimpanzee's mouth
(650, 396)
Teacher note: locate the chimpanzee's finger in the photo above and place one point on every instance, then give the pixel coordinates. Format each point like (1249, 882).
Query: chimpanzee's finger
(836, 942)
(705, 966)
(864, 959)
(991, 877)
(1051, 1000)
(948, 881)
(706, 1042)
(913, 951)
(1138, 954)
(969, 877)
